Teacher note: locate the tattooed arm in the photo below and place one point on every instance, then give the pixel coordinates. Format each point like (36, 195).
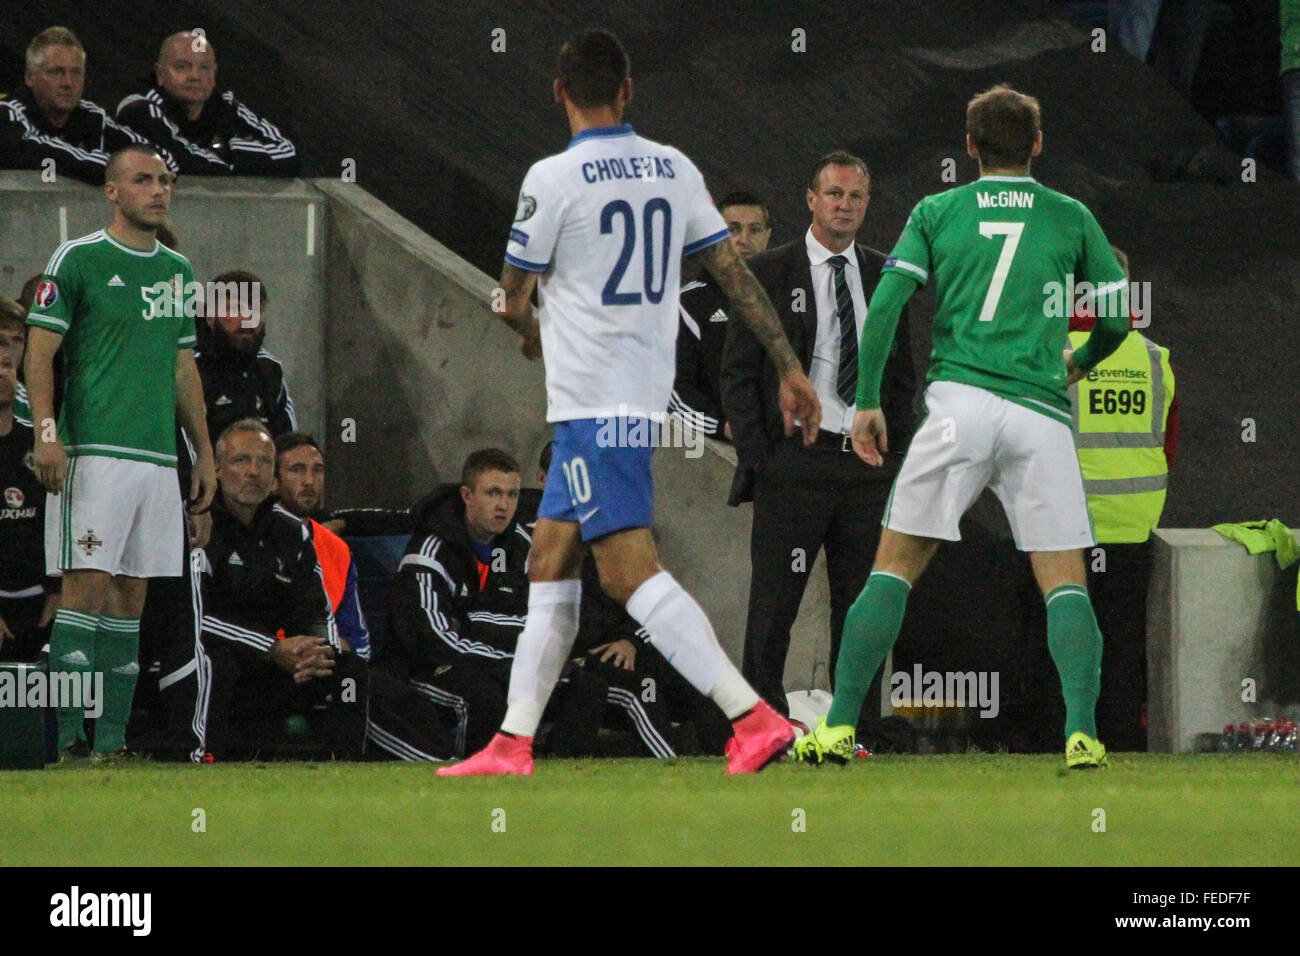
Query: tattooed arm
(751, 304)
(517, 311)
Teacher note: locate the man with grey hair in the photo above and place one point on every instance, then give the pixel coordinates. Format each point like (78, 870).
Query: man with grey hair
(48, 119)
(271, 675)
(208, 130)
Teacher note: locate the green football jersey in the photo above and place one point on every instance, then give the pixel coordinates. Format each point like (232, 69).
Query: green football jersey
(1010, 260)
(122, 319)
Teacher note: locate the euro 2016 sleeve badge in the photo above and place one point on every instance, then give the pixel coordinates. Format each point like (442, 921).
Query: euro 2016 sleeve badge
(47, 293)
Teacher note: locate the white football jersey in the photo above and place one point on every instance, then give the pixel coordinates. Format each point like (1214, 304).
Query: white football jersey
(606, 223)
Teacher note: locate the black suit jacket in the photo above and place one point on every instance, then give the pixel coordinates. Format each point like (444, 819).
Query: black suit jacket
(749, 380)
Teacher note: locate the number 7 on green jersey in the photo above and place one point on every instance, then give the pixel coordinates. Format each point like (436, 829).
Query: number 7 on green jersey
(1012, 231)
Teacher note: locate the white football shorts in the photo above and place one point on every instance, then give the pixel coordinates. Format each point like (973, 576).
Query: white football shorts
(116, 515)
(972, 439)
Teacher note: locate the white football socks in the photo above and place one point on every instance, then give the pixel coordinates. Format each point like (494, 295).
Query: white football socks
(681, 631)
(543, 647)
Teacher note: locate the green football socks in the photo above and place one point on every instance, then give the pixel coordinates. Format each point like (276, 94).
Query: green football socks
(117, 653)
(72, 652)
(1075, 642)
(870, 629)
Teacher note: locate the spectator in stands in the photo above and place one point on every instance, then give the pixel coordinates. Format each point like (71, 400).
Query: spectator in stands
(208, 131)
(300, 486)
(28, 597)
(270, 650)
(702, 332)
(48, 119)
(455, 612)
(240, 378)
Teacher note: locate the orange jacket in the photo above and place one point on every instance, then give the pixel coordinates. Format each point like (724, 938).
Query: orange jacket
(334, 556)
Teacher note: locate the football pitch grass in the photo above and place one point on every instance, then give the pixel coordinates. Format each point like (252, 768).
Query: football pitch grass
(972, 809)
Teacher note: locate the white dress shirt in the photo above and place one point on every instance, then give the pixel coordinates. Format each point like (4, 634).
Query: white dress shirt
(836, 416)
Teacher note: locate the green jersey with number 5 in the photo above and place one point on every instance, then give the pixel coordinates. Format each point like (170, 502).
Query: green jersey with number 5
(122, 320)
(1009, 258)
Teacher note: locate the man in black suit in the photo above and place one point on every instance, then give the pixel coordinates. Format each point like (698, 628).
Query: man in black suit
(824, 494)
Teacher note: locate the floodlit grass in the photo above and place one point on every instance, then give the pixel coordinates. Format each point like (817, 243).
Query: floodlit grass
(970, 810)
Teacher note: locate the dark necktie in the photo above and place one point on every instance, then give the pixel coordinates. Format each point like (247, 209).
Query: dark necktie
(846, 379)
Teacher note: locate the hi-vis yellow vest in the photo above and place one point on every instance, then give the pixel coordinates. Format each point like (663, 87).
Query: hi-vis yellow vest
(1120, 411)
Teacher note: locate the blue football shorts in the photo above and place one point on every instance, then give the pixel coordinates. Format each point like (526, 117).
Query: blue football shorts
(598, 478)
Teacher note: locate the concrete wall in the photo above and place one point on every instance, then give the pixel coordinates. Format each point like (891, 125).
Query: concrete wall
(1217, 616)
(261, 225)
(417, 362)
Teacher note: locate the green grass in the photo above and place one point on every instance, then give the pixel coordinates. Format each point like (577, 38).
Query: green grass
(971, 809)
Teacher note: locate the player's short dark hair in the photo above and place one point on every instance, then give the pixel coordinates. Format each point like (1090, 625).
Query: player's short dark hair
(243, 425)
(544, 459)
(739, 197)
(1002, 123)
(483, 460)
(592, 66)
(291, 440)
(837, 157)
(118, 157)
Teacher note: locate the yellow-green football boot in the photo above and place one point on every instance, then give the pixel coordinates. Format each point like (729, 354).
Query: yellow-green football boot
(824, 743)
(1084, 753)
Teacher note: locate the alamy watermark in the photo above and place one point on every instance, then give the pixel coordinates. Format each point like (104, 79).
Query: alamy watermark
(77, 909)
(36, 688)
(631, 428)
(1069, 298)
(922, 688)
(176, 298)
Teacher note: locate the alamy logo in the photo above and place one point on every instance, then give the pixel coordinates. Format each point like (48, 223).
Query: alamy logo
(629, 428)
(1129, 299)
(945, 689)
(178, 298)
(74, 908)
(82, 690)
